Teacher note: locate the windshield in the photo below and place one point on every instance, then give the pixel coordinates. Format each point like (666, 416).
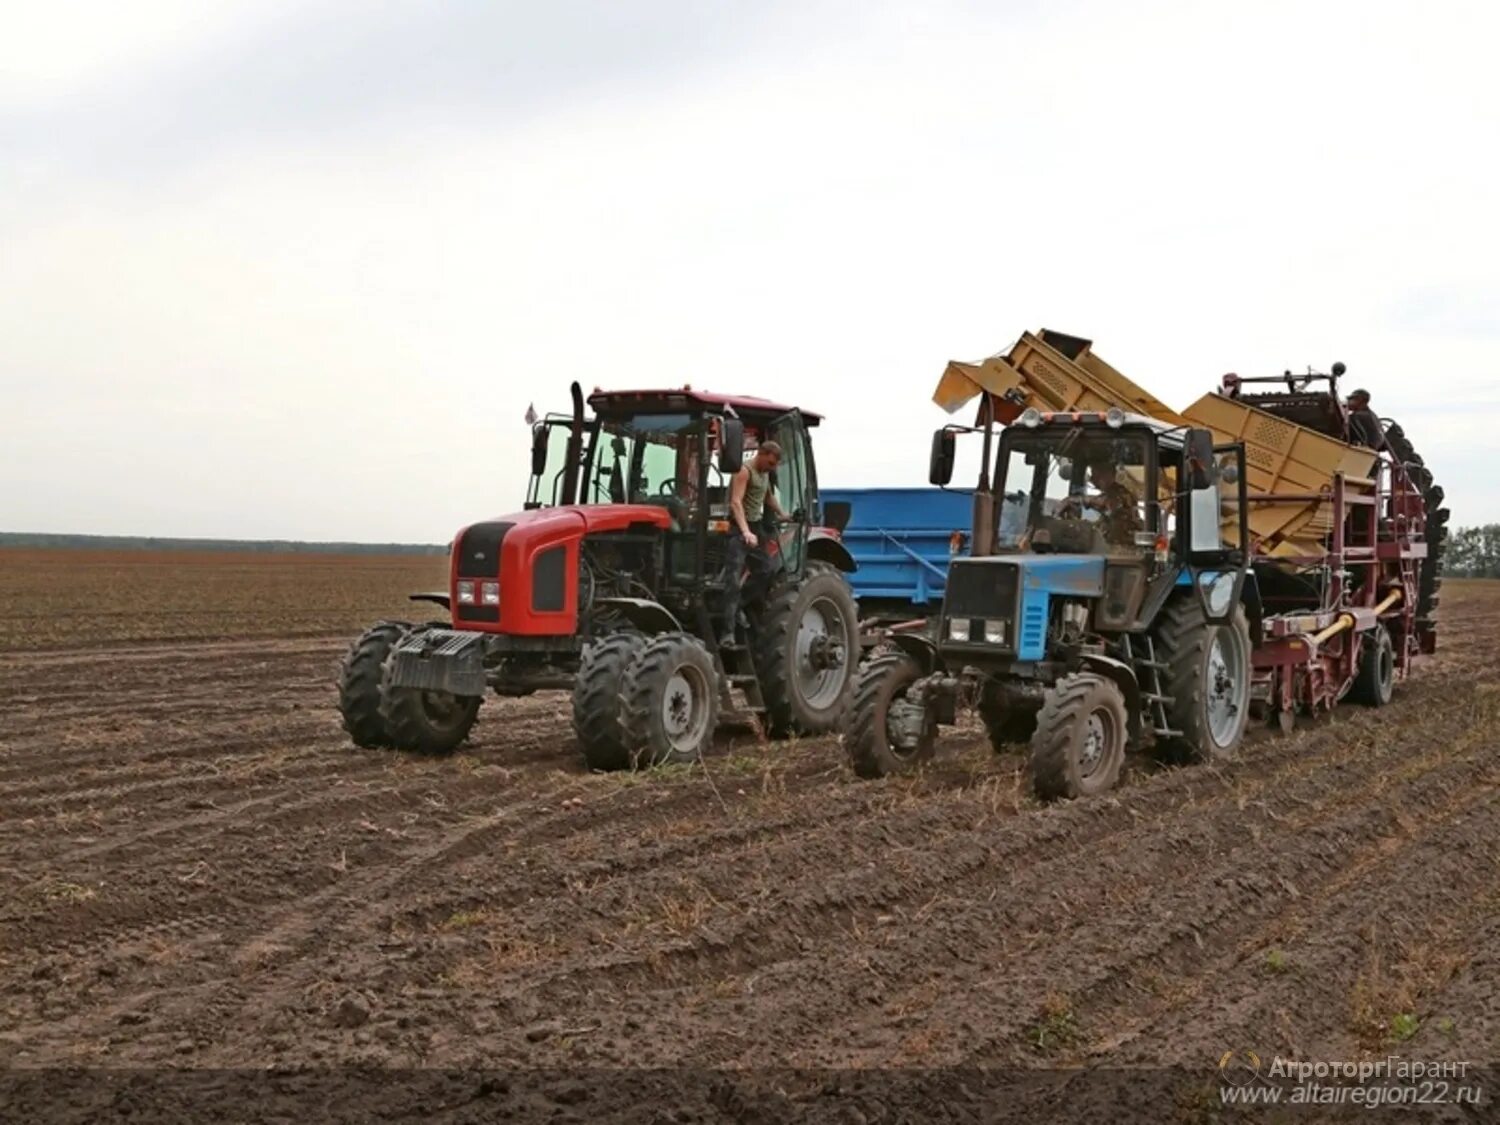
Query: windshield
(1073, 489)
(641, 457)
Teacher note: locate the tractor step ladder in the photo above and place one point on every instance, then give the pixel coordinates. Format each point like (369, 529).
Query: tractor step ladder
(737, 670)
(1148, 675)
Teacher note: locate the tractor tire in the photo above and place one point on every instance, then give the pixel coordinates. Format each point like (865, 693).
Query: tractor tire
(426, 722)
(597, 718)
(1078, 747)
(1208, 678)
(1430, 572)
(669, 704)
(806, 649)
(876, 749)
(360, 673)
(1376, 678)
(1009, 717)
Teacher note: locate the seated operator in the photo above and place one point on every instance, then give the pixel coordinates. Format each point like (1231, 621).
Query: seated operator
(1118, 507)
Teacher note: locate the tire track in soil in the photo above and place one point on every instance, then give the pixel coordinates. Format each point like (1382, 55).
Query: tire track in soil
(924, 947)
(782, 914)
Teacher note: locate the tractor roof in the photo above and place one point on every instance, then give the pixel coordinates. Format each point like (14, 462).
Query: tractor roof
(680, 398)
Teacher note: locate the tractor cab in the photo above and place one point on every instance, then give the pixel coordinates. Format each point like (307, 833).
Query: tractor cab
(1104, 515)
(677, 451)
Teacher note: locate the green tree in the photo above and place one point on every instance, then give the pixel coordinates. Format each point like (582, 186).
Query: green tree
(1474, 552)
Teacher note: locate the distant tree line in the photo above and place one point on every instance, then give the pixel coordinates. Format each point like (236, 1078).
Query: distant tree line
(1473, 552)
(268, 546)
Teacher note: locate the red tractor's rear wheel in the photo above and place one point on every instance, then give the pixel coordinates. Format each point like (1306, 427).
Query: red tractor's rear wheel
(807, 653)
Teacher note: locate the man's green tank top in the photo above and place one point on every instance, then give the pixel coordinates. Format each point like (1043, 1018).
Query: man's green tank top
(755, 494)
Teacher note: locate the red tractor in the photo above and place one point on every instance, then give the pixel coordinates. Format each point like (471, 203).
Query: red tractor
(611, 583)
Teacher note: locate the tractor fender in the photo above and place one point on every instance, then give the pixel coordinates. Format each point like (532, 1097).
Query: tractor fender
(918, 646)
(436, 599)
(824, 545)
(650, 617)
(1124, 678)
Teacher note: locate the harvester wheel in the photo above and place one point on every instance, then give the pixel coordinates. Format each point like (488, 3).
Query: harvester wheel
(807, 653)
(1208, 678)
(1079, 743)
(1376, 678)
(885, 732)
(597, 719)
(1009, 717)
(669, 701)
(359, 684)
(426, 722)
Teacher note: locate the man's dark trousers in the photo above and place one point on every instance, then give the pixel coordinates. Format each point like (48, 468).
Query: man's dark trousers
(738, 557)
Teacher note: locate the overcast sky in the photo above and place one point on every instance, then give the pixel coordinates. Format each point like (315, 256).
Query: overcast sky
(297, 269)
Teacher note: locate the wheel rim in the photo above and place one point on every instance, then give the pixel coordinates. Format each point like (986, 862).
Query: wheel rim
(684, 709)
(822, 656)
(441, 709)
(1098, 738)
(904, 722)
(1225, 686)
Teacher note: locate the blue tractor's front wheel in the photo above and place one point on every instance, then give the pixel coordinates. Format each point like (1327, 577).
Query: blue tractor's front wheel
(888, 729)
(1079, 743)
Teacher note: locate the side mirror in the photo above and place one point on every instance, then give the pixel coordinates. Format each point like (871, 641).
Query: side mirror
(731, 445)
(944, 452)
(1199, 455)
(539, 435)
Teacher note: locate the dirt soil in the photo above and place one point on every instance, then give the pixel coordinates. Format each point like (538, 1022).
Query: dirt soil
(197, 870)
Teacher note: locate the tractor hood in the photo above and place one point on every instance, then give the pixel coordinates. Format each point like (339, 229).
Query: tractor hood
(584, 519)
(533, 557)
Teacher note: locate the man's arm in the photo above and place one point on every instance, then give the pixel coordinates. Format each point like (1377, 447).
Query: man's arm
(737, 488)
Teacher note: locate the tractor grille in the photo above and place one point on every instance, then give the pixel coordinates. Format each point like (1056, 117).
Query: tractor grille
(981, 588)
(478, 550)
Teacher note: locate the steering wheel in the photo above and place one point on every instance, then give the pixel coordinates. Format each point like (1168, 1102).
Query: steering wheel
(668, 487)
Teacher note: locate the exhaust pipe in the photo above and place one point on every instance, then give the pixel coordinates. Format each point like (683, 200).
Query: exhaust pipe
(575, 449)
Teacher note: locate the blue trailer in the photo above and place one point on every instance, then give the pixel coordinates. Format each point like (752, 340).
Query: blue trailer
(901, 540)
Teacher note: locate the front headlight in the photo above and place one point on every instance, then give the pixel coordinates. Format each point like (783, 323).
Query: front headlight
(958, 629)
(1219, 594)
(466, 593)
(994, 630)
(489, 593)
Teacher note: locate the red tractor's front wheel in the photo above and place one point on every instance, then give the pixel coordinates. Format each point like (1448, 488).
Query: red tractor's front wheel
(670, 701)
(360, 674)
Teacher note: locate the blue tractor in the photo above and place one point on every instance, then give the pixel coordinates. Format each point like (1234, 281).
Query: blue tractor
(1111, 609)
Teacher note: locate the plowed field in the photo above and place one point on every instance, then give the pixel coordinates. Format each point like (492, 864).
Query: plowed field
(197, 870)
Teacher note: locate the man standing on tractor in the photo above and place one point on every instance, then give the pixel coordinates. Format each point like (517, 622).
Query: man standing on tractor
(1364, 426)
(751, 496)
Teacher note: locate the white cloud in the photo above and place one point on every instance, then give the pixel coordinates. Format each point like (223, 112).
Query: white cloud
(52, 50)
(334, 333)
